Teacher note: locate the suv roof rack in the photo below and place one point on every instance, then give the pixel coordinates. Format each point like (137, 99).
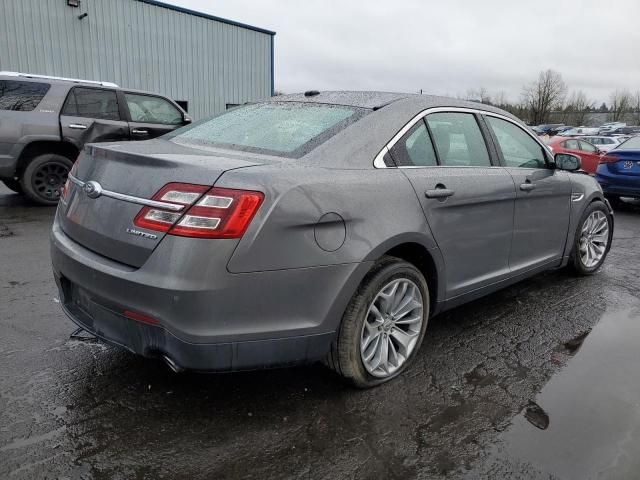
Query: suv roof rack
(65, 79)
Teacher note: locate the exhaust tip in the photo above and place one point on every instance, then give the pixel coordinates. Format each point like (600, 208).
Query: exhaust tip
(172, 365)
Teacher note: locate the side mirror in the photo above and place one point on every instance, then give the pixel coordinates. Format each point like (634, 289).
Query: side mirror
(567, 161)
(187, 119)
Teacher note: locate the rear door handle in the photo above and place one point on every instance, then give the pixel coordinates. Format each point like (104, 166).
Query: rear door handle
(439, 193)
(527, 186)
(137, 131)
(77, 126)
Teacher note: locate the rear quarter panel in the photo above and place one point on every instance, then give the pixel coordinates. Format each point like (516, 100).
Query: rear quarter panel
(315, 216)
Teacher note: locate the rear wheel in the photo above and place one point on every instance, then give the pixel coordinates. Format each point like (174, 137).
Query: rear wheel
(44, 177)
(383, 326)
(592, 240)
(12, 184)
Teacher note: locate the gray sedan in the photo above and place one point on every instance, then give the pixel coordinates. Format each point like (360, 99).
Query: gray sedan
(319, 226)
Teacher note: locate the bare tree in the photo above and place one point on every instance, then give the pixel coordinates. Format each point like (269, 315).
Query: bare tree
(578, 106)
(620, 104)
(636, 107)
(480, 95)
(544, 94)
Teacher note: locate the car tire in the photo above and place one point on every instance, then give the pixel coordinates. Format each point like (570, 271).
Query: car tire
(589, 239)
(346, 357)
(44, 178)
(12, 184)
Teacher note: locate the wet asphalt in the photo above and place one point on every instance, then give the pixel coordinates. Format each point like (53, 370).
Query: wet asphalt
(541, 380)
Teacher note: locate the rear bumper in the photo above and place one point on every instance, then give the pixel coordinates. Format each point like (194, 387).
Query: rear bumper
(209, 319)
(623, 185)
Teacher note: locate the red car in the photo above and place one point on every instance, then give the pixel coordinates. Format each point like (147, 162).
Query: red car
(589, 154)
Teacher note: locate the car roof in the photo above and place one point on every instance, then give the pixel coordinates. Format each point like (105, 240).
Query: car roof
(377, 100)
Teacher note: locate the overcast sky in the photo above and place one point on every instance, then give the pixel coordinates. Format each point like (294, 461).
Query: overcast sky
(446, 46)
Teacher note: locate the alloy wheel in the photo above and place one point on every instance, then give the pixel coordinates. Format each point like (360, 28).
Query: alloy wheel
(392, 327)
(594, 238)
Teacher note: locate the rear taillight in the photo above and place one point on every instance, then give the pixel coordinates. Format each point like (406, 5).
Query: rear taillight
(210, 212)
(64, 191)
(608, 159)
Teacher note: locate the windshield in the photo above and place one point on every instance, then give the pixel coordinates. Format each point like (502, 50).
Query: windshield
(632, 144)
(281, 128)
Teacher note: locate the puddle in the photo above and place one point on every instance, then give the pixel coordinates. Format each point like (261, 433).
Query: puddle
(585, 423)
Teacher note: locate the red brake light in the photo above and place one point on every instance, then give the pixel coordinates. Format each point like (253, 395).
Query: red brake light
(211, 213)
(608, 159)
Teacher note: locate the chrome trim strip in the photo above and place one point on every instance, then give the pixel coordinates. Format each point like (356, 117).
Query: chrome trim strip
(131, 199)
(378, 161)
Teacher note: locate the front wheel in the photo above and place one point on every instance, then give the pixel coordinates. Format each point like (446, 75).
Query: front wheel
(592, 240)
(44, 177)
(383, 326)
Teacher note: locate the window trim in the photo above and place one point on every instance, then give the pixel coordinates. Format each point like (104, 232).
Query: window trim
(378, 161)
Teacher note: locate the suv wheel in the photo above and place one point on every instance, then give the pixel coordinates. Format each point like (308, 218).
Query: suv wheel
(12, 184)
(44, 177)
(383, 326)
(592, 240)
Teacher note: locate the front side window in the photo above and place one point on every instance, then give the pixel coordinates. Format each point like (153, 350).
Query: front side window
(150, 109)
(415, 148)
(21, 96)
(458, 139)
(288, 129)
(92, 103)
(587, 147)
(517, 147)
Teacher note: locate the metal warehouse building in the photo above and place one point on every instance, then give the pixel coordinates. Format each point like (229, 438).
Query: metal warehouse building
(209, 63)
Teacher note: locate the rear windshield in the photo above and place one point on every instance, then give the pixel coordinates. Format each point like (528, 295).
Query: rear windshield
(632, 144)
(21, 96)
(287, 129)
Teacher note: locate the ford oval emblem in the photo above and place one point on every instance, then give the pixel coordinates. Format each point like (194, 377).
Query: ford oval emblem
(92, 189)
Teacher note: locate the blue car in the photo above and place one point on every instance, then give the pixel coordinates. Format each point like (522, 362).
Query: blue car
(619, 171)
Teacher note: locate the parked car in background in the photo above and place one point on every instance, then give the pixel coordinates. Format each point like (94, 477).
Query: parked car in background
(604, 143)
(629, 130)
(589, 154)
(608, 127)
(578, 131)
(619, 171)
(550, 128)
(46, 121)
(315, 226)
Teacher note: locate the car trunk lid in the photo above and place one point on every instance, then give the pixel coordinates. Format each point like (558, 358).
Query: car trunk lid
(105, 224)
(623, 162)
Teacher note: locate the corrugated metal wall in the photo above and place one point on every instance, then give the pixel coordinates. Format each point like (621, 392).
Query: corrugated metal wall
(138, 45)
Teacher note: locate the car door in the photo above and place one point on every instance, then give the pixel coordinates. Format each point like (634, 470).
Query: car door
(92, 114)
(589, 155)
(543, 197)
(151, 116)
(468, 202)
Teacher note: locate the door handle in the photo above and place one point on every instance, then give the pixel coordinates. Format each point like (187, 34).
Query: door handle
(77, 126)
(527, 186)
(439, 193)
(137, 131)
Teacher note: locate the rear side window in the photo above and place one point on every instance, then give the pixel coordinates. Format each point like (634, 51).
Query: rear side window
(415, 149)
(21, 96)
(570, 145)
(288, 129)
(632, 144)
(458, 140)
(92, 103)
(517, 147)
(150, 109)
